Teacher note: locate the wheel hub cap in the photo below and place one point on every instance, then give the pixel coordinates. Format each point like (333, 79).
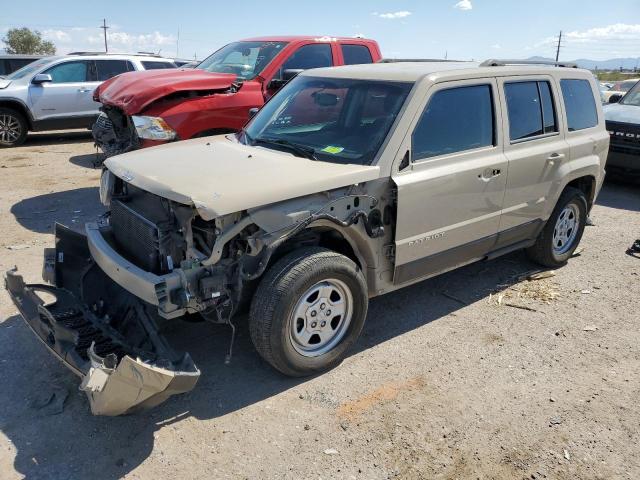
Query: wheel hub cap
(321, 318)
(566, 229)
(10, 128)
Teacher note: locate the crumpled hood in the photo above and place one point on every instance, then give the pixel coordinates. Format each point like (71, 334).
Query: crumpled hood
(220, 176)
(618, 112)
(4, 83)
(134, 91)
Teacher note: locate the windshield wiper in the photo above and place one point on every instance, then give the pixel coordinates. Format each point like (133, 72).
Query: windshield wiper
(300, 150)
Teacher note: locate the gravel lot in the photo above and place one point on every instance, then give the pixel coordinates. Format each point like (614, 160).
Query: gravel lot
(450, 379)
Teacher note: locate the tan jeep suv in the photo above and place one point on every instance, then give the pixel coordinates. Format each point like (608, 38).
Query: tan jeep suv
(351, 182)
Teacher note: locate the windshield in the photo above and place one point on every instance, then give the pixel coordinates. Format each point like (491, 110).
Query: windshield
(624, 86)
(329, 119)
(244, 59)
(28, 69)
(632, 97)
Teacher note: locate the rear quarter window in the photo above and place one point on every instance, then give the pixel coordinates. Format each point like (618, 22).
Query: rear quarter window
(356, 54)
(579, 104)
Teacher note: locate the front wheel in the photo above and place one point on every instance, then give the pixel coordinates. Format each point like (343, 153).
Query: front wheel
(308, 311)
(563, 231)
(13, 128)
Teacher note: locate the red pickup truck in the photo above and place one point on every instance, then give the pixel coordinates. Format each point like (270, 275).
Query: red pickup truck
(141, 109)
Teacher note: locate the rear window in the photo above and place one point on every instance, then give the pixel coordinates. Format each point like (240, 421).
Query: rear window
(356, 54)
(455, 120)
(579, 104)
(107, 69)
(531, 110)
(157, 65)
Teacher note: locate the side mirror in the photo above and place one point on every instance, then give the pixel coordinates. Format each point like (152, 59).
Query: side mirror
(286, 76)
(291, 73)
(615, 98)
(252, 112)
(42, 78)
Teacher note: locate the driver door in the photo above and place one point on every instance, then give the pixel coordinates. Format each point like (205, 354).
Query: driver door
(69, 94)
(312, 55)
(451, 191)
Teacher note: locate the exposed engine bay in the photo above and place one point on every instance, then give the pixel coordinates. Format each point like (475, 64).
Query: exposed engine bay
(150, 259)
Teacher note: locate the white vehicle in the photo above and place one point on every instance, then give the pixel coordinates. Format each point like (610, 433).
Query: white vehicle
(56, 93)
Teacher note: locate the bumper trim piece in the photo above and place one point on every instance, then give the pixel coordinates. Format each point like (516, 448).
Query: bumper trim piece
(151, 288)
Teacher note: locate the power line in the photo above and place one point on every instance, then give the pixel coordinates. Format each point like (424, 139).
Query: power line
(104, 28)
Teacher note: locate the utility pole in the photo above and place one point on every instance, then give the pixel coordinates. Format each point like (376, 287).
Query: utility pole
(559, 43)
(178, 45)
(104, 27)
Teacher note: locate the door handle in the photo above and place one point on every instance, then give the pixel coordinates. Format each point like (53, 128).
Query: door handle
(555, 156)
(489, 173)
(84, 90)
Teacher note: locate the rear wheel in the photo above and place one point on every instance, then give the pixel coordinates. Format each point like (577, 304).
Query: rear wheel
(308, 311)
(563, 231)
(13, 128)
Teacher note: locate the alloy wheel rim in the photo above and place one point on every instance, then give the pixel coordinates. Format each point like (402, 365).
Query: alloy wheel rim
(10, 129)
(566, 229)
(321, 318)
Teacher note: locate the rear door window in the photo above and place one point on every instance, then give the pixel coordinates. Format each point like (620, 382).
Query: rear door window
(70, 72)
(356, 54)
(579, 104)
(106, 69)
(455, 120)
(531, 109)
(157, 65)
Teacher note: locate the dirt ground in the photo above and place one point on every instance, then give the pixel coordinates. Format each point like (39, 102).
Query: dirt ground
(452, 378)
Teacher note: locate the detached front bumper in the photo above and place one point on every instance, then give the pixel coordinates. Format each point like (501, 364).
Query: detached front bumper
(100, 331)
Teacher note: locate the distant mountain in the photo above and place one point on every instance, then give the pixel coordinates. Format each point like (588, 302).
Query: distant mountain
(612, 64)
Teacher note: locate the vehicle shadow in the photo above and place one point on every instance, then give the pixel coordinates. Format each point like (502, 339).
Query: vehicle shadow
(75, 444)
(621, 194)
(89, 160)
(47, 138)
(71, 207)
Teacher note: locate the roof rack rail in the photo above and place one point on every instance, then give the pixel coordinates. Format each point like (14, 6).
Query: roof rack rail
(137, 54)
(501, 63)
(407, 60)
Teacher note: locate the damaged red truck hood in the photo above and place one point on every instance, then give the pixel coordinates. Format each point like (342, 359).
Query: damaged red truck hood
(132, 92)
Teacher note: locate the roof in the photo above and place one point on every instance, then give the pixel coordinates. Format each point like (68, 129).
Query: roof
(414, 71)
(319, 38)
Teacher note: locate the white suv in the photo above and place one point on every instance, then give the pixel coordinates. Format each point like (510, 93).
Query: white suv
(57, 92)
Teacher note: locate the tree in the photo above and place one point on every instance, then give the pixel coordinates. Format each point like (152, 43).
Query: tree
(25, 41)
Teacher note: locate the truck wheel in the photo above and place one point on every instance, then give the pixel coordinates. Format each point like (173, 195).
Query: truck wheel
(563, 231)
(308, 310)
(13, 128)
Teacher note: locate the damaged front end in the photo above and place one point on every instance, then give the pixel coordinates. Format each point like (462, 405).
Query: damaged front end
(100, 331)
(114, 132)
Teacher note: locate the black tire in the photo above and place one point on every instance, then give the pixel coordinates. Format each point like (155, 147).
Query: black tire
(282, 286)
(543, 251)
(13, 120)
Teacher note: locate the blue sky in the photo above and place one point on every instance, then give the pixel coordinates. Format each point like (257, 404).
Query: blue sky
(464, 29)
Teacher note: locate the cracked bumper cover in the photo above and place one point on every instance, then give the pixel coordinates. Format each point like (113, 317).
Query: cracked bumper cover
(100, 331)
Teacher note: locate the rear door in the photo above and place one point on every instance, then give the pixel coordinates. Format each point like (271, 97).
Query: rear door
(536, 149)
(69, 94)
(451, 191)
(355, 54)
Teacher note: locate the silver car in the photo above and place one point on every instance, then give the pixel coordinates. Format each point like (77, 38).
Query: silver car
(56, 93)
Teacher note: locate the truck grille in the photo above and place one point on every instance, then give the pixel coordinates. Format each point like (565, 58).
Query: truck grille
(103, 122)
(624, 134)
(137, 238)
